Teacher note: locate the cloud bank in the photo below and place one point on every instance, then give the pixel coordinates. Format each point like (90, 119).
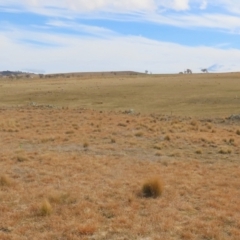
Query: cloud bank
(72, 54)
(124, 5)
(218, 14)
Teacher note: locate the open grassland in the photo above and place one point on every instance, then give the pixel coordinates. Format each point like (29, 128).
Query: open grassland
(76, 174)
(71, 173)
(185, 95)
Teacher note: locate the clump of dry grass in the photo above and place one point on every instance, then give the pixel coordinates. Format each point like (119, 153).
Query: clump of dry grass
(69, 132)
(238, 132)
(158, 154)
(85, 145)
(139, 134)
(88, 229)
(194, 123)
(231, 141)
(113, 140)
(225, 151)
(157, 146)
(152, 188)
(45, 208)
(167, 138)
(198, 151)
(61, 198)
(122, 124)
(21, 159)
(175, 154)
(5, 181)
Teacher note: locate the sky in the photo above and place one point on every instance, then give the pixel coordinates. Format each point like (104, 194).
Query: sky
(161, 36)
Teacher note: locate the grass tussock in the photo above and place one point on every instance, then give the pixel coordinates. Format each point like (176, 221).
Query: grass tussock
(45, 208)
(85, 145)
(21, 159)
(198, 151)
(167, 138)
(194, 123)
(5, 181)
(88, 229)
(152, 188)
(61, 198)
(113, 140)
(139, 134)
(157, 146)
(225, 151)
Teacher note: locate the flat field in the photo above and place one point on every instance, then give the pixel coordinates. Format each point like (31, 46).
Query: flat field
(73, 162)
(183, 95)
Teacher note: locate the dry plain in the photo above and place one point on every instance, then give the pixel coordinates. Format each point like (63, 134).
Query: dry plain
(73, 162)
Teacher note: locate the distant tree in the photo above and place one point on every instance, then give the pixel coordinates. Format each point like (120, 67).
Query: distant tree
(188, 71)
(146, 71)
(204, 70)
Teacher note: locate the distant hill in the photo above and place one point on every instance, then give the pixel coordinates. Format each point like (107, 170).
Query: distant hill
(94, 73)
(10, 73)
(19, 73)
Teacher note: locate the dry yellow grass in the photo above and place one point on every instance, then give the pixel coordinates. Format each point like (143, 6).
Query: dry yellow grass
(185, 95)
(5, 181)
(45, 208)
(64, 189)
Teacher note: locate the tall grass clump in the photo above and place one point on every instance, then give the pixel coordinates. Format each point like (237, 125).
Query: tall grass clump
(152, 188)
(46, 208)
(5, 181)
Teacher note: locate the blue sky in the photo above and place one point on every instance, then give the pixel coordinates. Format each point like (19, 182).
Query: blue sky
(161, 36)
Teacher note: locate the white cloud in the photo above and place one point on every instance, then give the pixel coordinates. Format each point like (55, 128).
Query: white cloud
(73, 54)
(216, 21)
(86, 5)
(121, 5)
(136, 10)
(93, 30)
(204, 4)
(180, 4)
